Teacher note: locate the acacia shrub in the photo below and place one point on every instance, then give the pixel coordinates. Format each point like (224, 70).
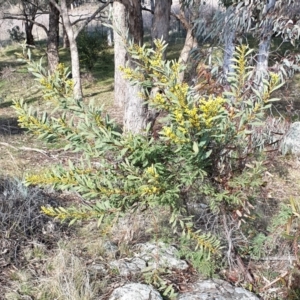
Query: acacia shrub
(205, 143)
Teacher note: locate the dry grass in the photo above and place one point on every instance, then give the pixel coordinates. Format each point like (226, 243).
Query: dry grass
(61, 265)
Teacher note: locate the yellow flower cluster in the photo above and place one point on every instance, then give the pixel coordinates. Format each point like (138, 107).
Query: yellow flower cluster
(211, 108)
(168, 132)
(131, 74)
(33, 123)
(128, 72)
(62, 214)
(152, 172)
(150, 190)
(161, 101)
(180, 91)
(273, 82)
(193, 117)
(57, 82)
(99, 120)
(49, 180)
(109, 192)
(45, 83)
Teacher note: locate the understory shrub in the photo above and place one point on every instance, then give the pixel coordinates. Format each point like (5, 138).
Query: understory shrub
(205, 145)
(90, 45)
(15, 34)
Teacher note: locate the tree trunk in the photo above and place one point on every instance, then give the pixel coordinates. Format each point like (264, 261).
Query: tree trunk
(66, 43)
(128, 15)
(53, 38)
(189, 44)
(229, 46)
(120, 28)
(109, 32)
(29, 12)
(264, 47)
(161, 20)
(28, 33)
(73, 50)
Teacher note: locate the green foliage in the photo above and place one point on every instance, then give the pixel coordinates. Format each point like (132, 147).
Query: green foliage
(90, 45)
(207, 266)
(203, 139)
(155, 277)
(15, 34)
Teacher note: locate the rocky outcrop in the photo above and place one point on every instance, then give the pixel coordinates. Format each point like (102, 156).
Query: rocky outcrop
(216, 289)
(291, 141)
(149, 255)
(162, 256)
(135, 291)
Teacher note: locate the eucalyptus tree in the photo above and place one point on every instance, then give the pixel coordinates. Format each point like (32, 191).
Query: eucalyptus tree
(161, 20)
(259, 18)
(128, 24)
(72, 33)
(187, 15)
(28, 12)
(53, 37)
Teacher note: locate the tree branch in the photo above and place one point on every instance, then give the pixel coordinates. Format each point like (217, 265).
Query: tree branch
(89, 19)
(181, 17)
(27, 20)
(148, 9)
(53, 2)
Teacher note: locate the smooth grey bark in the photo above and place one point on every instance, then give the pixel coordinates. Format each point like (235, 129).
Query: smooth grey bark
(53, 38)
(128, 16)
(110, 33)
(77, 92)
(229, 48)
(189, 43)
(264, 47)
(120, 27)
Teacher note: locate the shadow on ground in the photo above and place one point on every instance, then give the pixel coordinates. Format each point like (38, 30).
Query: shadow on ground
(10, 126)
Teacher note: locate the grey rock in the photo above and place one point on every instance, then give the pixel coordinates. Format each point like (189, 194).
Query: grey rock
(291, 141)
(128, 266)
(99, 268)
(161, 255)
(216, 289)
(149, 255)
(135, 291)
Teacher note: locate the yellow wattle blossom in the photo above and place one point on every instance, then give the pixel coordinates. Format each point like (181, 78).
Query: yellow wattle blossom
(168, 132)
(152, 172)
(99, 120)
(211, 108)
(193, 117)
(178, 114)
(49, 180)
(180, 91)
(160, 100)
(149, 190)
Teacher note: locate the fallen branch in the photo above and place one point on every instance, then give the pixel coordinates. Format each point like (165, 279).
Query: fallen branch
(25, 148)
(274, 281)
